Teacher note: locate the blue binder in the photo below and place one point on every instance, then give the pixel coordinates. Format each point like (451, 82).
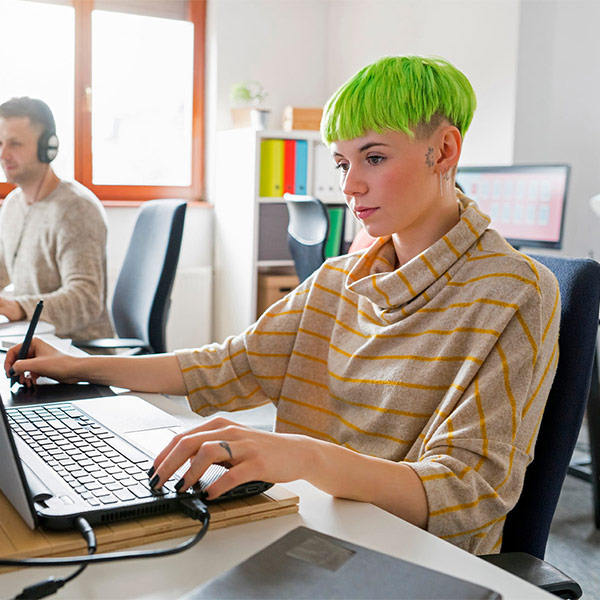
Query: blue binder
(301, 167)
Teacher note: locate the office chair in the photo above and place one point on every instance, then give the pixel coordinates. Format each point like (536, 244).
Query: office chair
(528, 523)
(142, 295)
(307, 232)
(588, 468)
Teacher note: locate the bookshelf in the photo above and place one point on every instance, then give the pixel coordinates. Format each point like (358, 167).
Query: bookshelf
(250, 229)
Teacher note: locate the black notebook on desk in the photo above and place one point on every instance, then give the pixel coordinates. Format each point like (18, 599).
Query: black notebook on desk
(307, 564)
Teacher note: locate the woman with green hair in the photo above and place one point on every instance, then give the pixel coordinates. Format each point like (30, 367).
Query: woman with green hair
(412, 374)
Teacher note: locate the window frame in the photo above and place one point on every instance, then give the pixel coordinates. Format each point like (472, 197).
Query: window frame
(83, 116)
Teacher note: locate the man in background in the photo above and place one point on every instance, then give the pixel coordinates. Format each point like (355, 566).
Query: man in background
(52, 232)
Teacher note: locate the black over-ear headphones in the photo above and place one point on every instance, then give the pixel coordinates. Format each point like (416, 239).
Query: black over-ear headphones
(48, 143)
(47, 146)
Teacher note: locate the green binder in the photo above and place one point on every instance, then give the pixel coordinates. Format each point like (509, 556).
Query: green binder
(333, 246)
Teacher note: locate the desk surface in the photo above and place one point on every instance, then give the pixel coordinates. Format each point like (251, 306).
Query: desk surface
(221, 549)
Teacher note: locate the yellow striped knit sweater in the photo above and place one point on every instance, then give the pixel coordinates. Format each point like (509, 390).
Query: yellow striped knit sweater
(444, 363)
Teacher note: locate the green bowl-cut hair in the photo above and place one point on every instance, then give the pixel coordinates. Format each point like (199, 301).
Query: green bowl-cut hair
(400, 93)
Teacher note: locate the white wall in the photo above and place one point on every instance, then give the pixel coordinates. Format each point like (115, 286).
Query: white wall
(281, 43)
(477, 36)
(557, 105)
(302, 50)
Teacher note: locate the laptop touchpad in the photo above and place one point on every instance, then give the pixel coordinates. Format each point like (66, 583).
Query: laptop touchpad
(153, 440)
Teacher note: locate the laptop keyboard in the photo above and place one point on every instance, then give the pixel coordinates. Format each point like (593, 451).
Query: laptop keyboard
(100, 467)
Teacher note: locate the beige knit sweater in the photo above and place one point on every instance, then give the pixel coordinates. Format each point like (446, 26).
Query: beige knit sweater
(55, 250)
(444, 363)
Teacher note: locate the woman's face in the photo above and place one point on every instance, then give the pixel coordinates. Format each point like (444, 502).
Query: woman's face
(390, 183)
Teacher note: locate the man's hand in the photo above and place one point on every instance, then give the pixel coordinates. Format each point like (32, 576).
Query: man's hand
(11, 309)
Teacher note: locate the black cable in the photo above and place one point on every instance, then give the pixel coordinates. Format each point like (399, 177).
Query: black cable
(192, 507)
(90, 537)
(50, 585)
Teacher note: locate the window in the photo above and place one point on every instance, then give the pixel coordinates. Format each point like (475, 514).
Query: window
(125, 81)
(142, 100)
(45, 70)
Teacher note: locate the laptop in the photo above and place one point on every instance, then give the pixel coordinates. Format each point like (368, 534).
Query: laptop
(305, 563)
(90, 458)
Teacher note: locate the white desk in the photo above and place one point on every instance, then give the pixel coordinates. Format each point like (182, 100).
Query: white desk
(221, 549)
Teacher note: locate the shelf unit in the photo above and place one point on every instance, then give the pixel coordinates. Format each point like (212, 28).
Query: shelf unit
(250, 230)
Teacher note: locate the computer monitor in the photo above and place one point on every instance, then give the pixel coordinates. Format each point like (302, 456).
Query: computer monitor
(525, 202)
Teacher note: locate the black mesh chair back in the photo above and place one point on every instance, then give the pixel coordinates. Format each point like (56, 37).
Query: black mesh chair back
(307, 231)
(142, 294)
(528, 524)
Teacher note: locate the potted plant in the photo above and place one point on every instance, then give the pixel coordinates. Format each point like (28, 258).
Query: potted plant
(246, 111)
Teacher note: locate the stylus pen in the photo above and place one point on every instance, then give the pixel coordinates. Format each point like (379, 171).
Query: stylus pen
(27, 341)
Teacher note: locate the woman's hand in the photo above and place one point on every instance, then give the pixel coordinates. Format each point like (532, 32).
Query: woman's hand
(250, 454)
(158, 373)
(43, 359)
(253, 455)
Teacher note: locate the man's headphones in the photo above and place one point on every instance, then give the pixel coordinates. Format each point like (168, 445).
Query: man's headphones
(47, 146)
(48, 143)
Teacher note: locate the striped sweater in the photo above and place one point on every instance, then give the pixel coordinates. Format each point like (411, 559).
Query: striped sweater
(444, 363)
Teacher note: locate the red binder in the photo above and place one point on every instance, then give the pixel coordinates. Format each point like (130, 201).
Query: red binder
(289, 165)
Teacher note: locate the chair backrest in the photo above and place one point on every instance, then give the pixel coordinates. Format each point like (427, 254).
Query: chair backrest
(308, 228)
(528, 524)
(142, 293)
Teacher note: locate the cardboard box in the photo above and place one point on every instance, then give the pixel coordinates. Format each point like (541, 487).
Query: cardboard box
(302, 114)
(301, 125)
(295, 117)
(273, 287)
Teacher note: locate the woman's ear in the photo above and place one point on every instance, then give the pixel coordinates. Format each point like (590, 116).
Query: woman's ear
(449, 147)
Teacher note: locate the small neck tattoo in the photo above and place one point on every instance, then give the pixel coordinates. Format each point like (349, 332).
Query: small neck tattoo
(429, 157)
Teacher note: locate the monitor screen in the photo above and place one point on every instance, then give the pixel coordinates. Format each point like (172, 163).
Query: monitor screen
(525, 202)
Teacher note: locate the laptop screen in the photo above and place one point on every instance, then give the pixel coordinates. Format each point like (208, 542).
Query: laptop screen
(12, 475)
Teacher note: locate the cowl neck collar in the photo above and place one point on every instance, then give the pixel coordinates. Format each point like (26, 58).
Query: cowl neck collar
(407, 288)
